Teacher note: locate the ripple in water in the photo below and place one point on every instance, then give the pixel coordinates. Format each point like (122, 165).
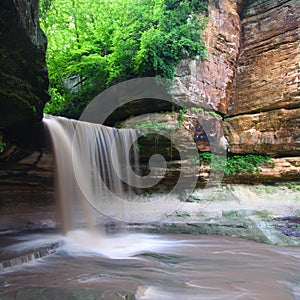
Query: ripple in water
(118, 246)
(153, 267)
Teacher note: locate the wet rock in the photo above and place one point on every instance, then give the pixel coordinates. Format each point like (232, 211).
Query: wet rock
(254, 212)
(71, 293)
(29, 171)
(289, 225)
(27, 184)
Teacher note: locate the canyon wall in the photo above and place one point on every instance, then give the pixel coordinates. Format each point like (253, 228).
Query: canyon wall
(23, 75)
(208, 83)
(23, 94)
(252, 77)
(264, 108)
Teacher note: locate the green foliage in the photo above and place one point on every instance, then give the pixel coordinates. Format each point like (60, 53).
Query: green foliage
(2, 145)
(249, 163)
(44, 6)
(183, 112)
(174, 37)
(57, 102)
(293, 186)
(213, 113)
(33, 109)
(233, 164)
(102, 42)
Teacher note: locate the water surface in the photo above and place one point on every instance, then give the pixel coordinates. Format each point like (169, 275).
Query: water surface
(144, 266)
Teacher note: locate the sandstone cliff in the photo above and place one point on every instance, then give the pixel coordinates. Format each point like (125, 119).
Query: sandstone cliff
(251, 76)
(266, 87)
(264, 108)
(208, 83)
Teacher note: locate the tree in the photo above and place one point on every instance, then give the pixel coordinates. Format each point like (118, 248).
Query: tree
(94, 44)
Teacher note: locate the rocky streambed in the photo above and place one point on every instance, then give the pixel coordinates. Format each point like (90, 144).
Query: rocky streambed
(262, 213)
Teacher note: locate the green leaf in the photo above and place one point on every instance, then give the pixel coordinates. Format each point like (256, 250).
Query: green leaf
(104, 42)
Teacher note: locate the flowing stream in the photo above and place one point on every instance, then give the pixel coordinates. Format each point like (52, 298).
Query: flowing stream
(157, 267)
(85, 262)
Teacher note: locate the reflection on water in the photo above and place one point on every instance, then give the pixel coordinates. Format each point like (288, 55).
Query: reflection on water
(142, 266)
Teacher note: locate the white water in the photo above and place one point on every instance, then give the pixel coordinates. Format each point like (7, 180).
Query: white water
(91, 165)
(94, 175)
(152, 267)
(92, 265)
(118, 246)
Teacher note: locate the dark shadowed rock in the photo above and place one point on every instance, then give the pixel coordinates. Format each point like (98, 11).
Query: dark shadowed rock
(23, 73)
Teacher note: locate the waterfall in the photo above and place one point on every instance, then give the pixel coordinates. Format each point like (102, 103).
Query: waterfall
(93, 170)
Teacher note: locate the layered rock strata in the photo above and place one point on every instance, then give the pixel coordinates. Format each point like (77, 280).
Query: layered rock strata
(250, 76)
(267, 76)
(264, 110)
(208, 83)
(275, 132)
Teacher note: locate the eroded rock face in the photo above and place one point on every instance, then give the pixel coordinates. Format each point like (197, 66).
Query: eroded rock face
(275, 132)
(282, 169)
(252, 76)
(187, 131)
(265, 100)
(208, 83)
(23, 75)
(29, 172)
(268, 67)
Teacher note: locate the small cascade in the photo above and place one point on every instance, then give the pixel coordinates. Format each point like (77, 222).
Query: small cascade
(30, 255)
(93, 170)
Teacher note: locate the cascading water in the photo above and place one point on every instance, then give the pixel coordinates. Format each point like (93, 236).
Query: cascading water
(97, 174)
(91, 162)
(92, 167)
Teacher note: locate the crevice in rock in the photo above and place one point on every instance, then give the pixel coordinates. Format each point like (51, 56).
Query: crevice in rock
(264, 42)
(258, 4)
(259, 111)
